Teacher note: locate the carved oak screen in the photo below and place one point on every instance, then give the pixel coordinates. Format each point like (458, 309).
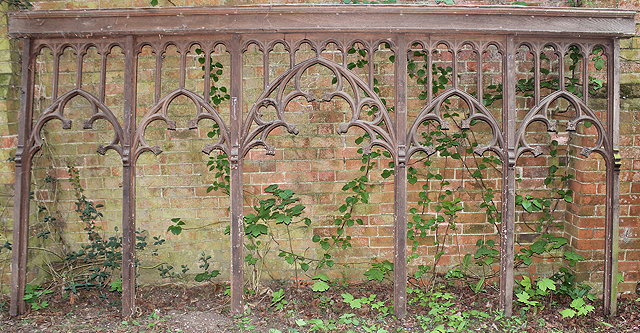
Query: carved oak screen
(400, 28)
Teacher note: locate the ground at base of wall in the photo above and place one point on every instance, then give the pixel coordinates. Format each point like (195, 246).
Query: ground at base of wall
(205, 308)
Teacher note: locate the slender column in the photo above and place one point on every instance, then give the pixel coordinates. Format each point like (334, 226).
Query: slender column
(508, 179)
(613, 185)
(400, 183)
(22, 185)
(129, 184)
(237, 225)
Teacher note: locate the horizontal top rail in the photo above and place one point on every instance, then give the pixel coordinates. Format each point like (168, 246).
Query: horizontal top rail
(514, 20)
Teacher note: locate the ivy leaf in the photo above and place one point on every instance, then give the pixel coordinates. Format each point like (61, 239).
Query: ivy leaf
(153, 3)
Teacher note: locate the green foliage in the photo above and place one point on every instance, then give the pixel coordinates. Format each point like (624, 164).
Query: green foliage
(176, 228)
(33, 295)
(443, 315)
(217, 93)
(116, 286)
(278, 300)
(207, 274)
(17, 4)
(578, 307)
(379, 271)
(101, 257)
(356, 303)
(321, 284)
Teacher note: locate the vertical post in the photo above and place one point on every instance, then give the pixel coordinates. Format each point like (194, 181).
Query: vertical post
(129, 183)
(22, 184)
(613, 190)
(508, 178)
(400, 183)
(237, 223)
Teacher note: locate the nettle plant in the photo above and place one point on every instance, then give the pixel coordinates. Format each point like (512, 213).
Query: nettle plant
(436, 215)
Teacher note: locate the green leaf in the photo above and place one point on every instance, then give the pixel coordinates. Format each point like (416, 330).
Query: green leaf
(578, 303)
(599, 63)
(256, 230)
(374, 274)
(526, 282)
(153, 3)
(523, 297)
(321, 277)
(320, 286)
(116, 285)
(175, 229)
(538, 246)
(572, 257)
(546, 283)
(568, 313)
(271, 188)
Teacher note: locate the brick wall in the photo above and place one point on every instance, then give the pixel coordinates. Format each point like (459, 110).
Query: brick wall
(315, 164)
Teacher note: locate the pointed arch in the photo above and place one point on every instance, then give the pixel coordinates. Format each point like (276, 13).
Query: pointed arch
(56, 111)
(380, 136)
(583, 113)
(477, 111)
(159, 112)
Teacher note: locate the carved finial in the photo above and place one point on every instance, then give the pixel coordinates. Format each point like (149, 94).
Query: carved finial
(101, 150)
(444, 125)
(88, 124)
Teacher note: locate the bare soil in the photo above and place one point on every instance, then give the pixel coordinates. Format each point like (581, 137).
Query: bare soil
(205, 308)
